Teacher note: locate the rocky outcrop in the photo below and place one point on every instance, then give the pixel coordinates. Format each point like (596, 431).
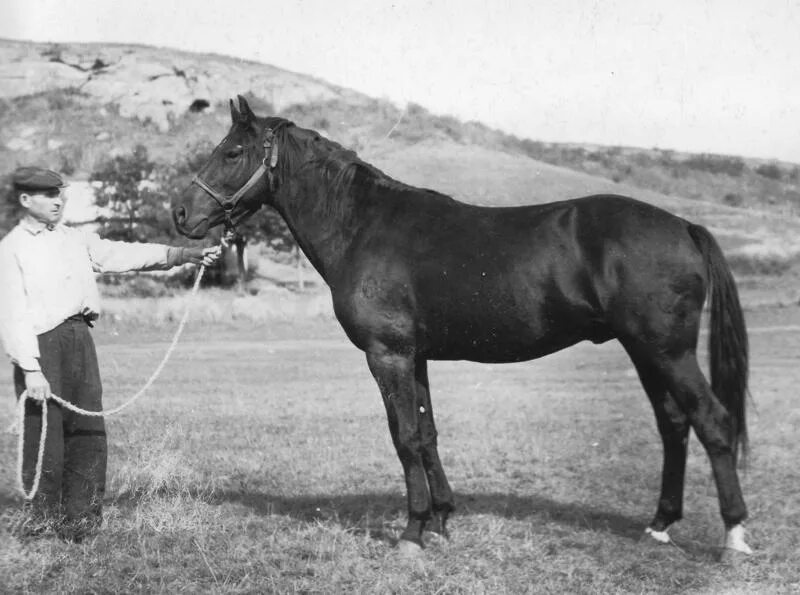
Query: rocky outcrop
(151, 84)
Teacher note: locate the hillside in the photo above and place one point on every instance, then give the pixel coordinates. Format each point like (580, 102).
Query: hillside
(73, 106)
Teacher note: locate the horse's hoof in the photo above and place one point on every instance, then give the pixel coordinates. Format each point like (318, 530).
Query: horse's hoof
(659, 536)
(734, 540)
(408, 549)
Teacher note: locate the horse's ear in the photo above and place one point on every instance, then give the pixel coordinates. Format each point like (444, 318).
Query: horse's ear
(246, 113)
(235, 115)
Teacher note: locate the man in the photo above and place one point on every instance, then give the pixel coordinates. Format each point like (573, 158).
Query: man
(48, 299)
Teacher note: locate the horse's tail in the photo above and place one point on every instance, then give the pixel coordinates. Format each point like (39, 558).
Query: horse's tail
(727, 340)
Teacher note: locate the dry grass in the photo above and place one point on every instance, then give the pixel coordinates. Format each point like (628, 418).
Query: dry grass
(261, 463)
(218, 306)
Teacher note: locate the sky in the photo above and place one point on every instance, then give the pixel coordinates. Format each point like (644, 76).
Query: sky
(692, 75)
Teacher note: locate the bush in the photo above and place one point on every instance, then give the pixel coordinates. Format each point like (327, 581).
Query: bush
(733, 199)
(767, 264)
(716, 164)
(770, 170)
(62, 99)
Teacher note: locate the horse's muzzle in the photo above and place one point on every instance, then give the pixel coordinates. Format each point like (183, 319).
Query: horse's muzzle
(196, 231)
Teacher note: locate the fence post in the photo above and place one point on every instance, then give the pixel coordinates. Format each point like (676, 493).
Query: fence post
(298, 258)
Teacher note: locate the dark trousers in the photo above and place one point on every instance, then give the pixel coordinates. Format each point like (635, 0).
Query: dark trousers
(73, 477)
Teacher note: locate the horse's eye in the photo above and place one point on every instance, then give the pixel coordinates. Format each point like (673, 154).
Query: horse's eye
(234, 153)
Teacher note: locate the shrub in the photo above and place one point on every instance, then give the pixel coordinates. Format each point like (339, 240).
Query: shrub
(770, 170)
(62, 99)
(320, 123)
(716, 164)
(733, 199)
(762, 263)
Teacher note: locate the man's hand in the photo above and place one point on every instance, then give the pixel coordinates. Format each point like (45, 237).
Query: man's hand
(36, 385)
(204, 256)
(89, 315)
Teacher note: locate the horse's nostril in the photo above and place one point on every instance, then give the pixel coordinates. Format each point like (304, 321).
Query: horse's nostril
(180, 215)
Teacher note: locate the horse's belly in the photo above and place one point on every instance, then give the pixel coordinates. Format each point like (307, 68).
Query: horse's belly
(482, 341)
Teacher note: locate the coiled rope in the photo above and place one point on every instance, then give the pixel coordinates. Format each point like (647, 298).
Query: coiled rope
(43, 434)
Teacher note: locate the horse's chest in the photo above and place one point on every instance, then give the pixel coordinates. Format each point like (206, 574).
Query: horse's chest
(374, 305)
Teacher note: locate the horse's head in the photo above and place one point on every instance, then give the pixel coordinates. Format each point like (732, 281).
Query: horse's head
(237, 179)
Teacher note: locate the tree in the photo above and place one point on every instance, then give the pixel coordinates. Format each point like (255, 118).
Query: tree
(129, 189)
(10, 208)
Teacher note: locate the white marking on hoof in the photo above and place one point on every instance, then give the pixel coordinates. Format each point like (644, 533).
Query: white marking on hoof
(408, 549)
(734, 540)
(659, 536)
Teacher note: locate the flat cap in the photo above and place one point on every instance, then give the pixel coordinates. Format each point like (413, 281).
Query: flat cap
(36, 178)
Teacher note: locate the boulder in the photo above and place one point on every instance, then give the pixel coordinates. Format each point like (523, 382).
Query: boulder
(29, 77)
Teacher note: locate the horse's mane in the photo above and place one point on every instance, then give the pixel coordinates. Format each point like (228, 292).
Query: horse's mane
(345, 170)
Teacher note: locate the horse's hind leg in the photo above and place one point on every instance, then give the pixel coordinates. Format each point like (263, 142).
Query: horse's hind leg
(673, 425)
(441, 494)
(712, 424)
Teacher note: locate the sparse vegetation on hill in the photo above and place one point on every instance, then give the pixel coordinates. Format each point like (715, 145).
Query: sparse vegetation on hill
(725, 179)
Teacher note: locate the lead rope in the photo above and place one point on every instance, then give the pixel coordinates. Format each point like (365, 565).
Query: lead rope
(43, 435)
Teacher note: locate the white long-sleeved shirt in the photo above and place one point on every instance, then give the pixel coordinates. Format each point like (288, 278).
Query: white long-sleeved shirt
(47, 275)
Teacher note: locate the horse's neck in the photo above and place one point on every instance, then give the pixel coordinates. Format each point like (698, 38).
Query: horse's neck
(322, 225)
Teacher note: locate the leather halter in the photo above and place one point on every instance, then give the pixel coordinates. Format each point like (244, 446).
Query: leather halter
(228, 203)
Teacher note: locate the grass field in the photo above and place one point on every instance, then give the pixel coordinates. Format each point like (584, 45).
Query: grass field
(261, 462)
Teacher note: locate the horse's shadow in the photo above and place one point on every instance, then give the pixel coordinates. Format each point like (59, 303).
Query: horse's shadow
(372, 511)
(381, 515)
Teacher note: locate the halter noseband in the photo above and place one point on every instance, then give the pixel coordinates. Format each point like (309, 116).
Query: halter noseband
(228, 203)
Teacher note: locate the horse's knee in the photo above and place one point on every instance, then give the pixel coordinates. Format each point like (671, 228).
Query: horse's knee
(428, 435)
(409, 440)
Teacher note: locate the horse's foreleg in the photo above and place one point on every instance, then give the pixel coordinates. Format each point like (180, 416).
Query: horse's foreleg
(441, 494)
(396, 379)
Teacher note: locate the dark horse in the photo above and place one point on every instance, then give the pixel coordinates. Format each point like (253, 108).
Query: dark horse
(417, 276)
